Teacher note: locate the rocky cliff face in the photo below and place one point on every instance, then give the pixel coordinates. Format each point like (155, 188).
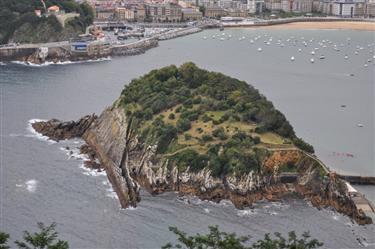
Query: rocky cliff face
(131, 165)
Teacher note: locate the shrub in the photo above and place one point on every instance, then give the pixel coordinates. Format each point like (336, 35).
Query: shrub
(206, 118)
(183, 124)
(187, 136)
(219, 133)
(206, 138)
(256, 140)
(197, 100)
(171, 116)
(303, 145)
(190, 158)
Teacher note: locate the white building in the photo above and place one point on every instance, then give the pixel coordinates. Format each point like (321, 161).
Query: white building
(343, 8)
(255, 6)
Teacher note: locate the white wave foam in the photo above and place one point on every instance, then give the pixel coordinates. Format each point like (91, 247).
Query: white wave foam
(246, 212)
(92, 172)
(2, 63)
(31, 185)
(111, 193)
(48, 63)
(35, 134)
(16, 135)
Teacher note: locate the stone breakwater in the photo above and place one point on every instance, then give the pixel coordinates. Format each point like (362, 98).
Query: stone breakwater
(131, 165)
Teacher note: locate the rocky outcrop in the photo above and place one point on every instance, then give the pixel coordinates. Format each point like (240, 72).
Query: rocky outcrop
(57, 130)
(131, 165)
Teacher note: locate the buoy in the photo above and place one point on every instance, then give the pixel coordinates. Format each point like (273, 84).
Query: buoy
(292, 58)
(365, 65)
(204, 37)
(259, 49)
(312, 60)
(312, 52)
(356, 52)
(346, 57)
(299, 50)
(251, 41)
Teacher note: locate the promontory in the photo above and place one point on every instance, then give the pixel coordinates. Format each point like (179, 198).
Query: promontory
(203, 133)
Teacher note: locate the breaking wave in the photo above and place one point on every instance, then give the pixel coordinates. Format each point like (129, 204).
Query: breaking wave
(48, 63)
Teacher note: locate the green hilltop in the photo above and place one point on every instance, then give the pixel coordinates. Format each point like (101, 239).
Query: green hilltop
(205, 119)
(19, 23)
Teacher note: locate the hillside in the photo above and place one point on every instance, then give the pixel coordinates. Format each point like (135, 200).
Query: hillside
(205, 119)
(19, 23)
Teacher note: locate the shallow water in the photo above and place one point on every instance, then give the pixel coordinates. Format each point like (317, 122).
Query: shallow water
(40, 183)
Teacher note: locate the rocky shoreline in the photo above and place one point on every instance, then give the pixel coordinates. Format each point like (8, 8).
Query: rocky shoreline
(109, 139)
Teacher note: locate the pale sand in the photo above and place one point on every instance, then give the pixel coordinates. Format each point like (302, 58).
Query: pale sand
(326, 25)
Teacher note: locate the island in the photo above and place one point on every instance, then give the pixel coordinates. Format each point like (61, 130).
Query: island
(203, 133)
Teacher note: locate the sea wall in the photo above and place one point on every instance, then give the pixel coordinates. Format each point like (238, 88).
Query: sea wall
(134, 48)
(15, 53)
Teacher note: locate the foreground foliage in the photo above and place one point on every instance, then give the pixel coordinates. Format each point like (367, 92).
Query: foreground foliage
(46, 238)
(216, 239)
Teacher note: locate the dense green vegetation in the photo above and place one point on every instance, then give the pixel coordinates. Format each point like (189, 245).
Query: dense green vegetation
(216, 239)
(18, 22)
(45, 238)
(203, 119)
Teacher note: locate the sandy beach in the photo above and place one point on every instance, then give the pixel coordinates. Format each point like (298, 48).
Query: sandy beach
(326, 25)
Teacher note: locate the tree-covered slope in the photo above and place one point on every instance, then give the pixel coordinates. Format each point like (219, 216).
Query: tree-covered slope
(205, 119)
(18, 22)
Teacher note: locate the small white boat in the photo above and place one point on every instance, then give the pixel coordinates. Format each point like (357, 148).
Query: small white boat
(204, 37)
(356, 52)
(346, 57)
(259, 49)
(322, 57)
(222, 39)
(312, 52)
(312, 60)
(360, 125)
(365, 65)
(299, 50)
(369, 60)
(251, 41)
(292, 58)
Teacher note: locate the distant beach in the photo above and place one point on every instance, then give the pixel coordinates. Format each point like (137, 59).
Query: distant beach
(367, 26)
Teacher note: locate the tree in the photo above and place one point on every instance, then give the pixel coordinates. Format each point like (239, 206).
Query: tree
(3, 240)
(216, 239)
(45, 239)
